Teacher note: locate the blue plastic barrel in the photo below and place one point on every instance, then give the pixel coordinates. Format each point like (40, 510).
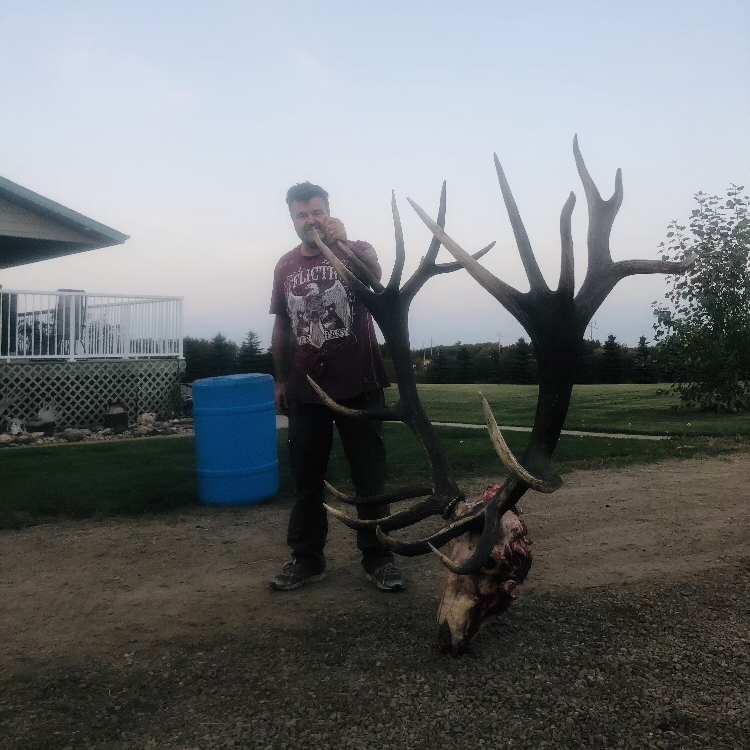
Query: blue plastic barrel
(235, 439)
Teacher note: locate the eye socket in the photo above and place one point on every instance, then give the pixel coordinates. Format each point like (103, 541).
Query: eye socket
(318, 212)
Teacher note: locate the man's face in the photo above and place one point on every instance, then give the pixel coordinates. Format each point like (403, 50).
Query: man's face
(307, 216)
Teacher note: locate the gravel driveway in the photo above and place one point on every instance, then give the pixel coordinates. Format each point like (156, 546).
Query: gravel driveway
(633, 631)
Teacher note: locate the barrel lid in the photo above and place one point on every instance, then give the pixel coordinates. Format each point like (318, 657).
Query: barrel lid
(229, 380)
(232, 381)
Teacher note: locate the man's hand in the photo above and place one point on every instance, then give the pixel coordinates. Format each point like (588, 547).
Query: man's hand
(333, 228)
(280, 399)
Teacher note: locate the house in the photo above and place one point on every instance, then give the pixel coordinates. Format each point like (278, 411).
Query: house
(77, 350)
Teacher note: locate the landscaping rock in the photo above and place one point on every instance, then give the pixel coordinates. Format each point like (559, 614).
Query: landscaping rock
(46, 428)
(73, 436)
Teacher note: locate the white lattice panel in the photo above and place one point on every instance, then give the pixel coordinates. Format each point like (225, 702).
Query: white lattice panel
(80, 391)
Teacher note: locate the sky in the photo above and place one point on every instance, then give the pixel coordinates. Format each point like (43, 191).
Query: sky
(183, 124)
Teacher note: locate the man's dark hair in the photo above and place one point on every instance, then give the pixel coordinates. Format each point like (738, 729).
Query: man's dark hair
(304, 192)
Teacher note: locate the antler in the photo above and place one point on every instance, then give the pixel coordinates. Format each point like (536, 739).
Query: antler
(389, 307)
(555, 322)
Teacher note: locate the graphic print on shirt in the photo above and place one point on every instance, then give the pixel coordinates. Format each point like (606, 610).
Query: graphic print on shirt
(320, 307)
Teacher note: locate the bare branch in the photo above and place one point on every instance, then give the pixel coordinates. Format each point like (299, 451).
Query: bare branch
(534, 275)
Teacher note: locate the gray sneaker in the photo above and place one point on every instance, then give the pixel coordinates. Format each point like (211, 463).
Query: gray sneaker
(293, 575)
(387, 578)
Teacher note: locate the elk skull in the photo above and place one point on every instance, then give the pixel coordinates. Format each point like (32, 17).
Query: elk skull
(470, 602)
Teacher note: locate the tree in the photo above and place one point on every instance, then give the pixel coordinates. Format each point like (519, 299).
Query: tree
(438, 372)
(249, 353)
(703, 330)
(197, 353)
(224, 353)
(209, 359)
(463, 365)
(612, 361)
(644, 369)
(524, 367)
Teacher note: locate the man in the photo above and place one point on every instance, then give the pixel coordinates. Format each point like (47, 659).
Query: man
(322, 330)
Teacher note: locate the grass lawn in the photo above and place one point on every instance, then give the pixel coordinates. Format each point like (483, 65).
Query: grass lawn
(639, 409)
(97, 480)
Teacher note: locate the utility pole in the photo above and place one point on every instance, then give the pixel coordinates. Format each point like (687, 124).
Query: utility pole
(499, 338)
(592, 326)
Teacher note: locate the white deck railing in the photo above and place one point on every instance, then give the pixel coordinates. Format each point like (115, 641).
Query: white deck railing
(78, 325)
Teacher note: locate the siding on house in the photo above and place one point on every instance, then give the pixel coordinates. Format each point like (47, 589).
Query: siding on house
(16, 221)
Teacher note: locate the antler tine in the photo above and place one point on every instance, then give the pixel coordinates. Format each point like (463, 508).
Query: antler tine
(534, 275)
(438, 539)
(364, 270)
(431, 507)
(434, 247)
(368, 296)
(504, 293)
(398, 266)
(509, 460)
(490, 536)
(407, 493)
(387, 414)
(427, 267)
(601, 214)
(567, 263)
(603, 274)
(454, 265)
(625, 268)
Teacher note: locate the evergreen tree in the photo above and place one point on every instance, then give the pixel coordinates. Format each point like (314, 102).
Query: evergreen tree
(587, 369)
(463, 365)
(250, 353)
(224, 354)
(438, 371)
(643, 350)
(612, 361)
(197, 353)
(524, 366)
(644, 368)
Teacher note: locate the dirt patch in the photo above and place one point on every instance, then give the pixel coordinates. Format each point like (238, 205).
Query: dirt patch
(78, 590)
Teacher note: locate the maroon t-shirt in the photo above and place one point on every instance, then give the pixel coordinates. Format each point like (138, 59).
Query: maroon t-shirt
(332, 334)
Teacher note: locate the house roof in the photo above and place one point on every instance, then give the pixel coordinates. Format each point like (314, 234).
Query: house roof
(34, 228)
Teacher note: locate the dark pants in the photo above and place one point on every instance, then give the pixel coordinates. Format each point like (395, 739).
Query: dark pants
(310, 441)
